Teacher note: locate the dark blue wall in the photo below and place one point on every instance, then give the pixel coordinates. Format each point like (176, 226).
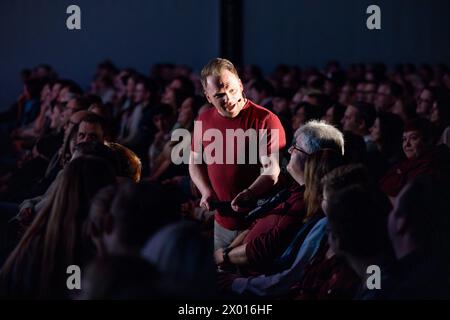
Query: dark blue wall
(136, 33)
(311, 32)
(139, 33)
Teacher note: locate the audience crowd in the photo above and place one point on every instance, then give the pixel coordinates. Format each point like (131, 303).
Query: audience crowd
(87, 179)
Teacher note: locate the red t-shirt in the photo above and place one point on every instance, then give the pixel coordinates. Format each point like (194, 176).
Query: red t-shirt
(229, 177)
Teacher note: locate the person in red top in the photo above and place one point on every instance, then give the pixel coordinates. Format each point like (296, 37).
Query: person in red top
(230, 160)
(422, 158)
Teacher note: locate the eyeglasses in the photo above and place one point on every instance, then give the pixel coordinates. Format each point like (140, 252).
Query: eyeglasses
(295, 147)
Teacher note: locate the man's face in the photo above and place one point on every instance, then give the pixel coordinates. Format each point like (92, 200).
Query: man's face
(88, 132)
(298, 119)
(383, 99)
(349, 122)
(140, 94)
(68, 111)
(424, 103)
(224, 92)
(64, 95)
(369, 92)
(55, 91)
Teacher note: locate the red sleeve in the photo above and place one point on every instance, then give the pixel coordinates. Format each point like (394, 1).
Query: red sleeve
(276, 136)
(268, 246)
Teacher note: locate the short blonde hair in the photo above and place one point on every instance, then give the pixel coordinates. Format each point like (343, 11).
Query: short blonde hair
(214, 67)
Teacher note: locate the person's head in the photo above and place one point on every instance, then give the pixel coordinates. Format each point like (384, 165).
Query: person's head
(259, 90)
(386, 96)
(129, 164)
(54, 238)
(145, 90)
(46, 93)
(98, 150)
(163, 117)
(182, 83)
(91, 128)
(184, 257)
(341, 177)
(420, 218)
(334, 114)
(55, 118)
(69, 90)
(357, 224)
(136, 213)
(130, 87)
(347, 94)
(440, 112)
(417, 138)
(311, 137)
(358, 118)
(386, 133)
(188, 111)
(318, 165)
(425, 102)
(174, 97)
(72, 106)
(222, 87)
(370, 90)
(304, 113)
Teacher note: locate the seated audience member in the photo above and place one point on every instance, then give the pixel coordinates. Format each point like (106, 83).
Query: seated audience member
(357, 220)
(440, 118)
(386, 133)
(425, 101)
(137, 129)
(358, 118)
(419, 232)
(303, 113)
(387, 95)
(129, 165)
(422, 157)
(90, 128)
(312, 136)
(19, 185)
(257, 248)
(37, 266)
(163, 121)
(334, 115)
(163, 167)
(121, 221)
(120, 278)
(183, 256)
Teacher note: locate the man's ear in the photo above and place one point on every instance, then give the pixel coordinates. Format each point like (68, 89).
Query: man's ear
(207, 96)
(241, 85)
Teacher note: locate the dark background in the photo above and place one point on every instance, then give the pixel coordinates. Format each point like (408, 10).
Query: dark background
(140, 33)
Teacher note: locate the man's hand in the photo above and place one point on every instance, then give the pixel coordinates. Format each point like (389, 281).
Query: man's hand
(241, 201)
(218, 256)
(206, 200)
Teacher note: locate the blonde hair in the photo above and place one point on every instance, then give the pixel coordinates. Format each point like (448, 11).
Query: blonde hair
(214, 67)
(317, 165)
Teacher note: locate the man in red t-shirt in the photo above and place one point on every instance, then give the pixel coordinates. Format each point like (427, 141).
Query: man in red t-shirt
(235, 149)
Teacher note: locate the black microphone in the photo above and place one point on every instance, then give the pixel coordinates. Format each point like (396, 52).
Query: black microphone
(268, 205)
